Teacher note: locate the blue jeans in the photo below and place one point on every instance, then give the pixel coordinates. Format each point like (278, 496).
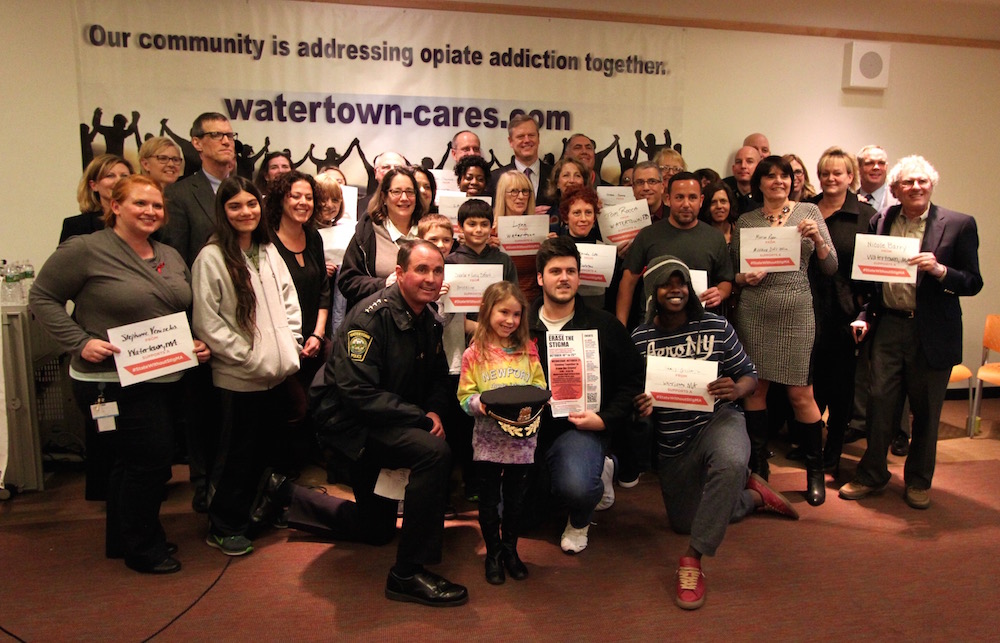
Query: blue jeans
(576, 461)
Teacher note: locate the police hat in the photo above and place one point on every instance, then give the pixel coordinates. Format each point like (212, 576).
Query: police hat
(517, 409)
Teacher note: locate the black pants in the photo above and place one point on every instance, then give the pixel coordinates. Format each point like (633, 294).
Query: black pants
(142, 449)
(510, 481)
(372, 519)
(250, 420)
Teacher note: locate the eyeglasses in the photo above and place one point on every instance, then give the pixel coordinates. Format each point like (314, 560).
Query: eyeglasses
(799, 172)
(166, 160)
(218, 136)
(518, 192)
(673, 169)
(398, 192)
(922, 183)
(641, 182)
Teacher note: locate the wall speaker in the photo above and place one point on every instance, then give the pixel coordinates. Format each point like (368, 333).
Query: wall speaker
(866, 65)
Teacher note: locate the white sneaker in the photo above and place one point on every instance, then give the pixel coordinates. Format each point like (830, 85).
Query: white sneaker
(608, 478)
(574, 540)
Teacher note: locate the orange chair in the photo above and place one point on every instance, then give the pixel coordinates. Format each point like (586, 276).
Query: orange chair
(988, 372)
(959, 373)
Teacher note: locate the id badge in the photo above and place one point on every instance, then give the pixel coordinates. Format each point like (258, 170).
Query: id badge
(105, 414)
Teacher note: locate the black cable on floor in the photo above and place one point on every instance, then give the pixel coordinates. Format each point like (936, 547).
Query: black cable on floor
(196, 601)
(12, 635)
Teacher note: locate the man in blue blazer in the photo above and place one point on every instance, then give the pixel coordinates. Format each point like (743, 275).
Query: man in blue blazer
(916, 330)
(522, 134)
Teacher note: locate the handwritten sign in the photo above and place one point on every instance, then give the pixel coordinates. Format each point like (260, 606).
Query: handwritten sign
(611, 195)
(574, 371)
(445, 180)
(770, 249)
(466, 284)
(153, 348)
(350, 194)
(882, 258)
(522, 236)
(597, 264)
(336, 238)
(679, 383)
(620, 223)
(450, 202)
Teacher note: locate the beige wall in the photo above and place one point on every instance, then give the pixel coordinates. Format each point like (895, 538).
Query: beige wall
(939, 103)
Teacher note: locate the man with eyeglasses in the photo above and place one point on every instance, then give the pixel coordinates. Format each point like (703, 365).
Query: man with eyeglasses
(191, 204)
(873, 163)
(463, 144)
(916, 330)
(191, 201)
(647, 183)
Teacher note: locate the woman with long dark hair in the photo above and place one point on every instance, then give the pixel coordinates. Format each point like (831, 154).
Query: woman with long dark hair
(246, 308)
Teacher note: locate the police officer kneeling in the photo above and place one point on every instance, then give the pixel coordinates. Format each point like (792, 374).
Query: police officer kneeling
(384, 387)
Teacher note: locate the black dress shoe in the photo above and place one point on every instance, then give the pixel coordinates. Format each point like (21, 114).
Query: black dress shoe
(168, 565)
(425, 588)
(900, 445)
(853, 435)
(272, 497)
(200, 501)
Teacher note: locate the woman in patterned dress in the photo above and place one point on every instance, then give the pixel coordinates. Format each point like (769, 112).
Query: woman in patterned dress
(775, 319)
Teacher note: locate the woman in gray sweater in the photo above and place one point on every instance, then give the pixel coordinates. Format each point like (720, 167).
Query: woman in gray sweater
(119, 276)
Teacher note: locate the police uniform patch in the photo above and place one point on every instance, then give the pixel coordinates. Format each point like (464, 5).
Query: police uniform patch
(358, 343)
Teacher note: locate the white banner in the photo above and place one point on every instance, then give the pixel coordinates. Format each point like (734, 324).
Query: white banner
(339, 84)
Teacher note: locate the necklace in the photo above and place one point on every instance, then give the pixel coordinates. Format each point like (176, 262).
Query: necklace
(775, 218)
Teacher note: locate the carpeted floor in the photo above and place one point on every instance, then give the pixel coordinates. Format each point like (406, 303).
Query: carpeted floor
(846, 570)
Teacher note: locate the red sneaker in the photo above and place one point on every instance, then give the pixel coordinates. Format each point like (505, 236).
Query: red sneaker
(690, 584)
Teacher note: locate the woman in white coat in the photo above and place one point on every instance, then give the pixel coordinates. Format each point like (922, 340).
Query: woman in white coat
(246, 308)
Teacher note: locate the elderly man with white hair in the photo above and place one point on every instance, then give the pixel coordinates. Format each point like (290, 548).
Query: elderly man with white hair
(916, 330)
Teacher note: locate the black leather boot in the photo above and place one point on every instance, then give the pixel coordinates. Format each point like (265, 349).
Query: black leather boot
(833, 449)
(511, 561)
(494, 565)
(757, 430)
(815, 479)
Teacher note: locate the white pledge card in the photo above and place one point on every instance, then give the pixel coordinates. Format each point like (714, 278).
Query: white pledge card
(597, 264)
(770, 249)
(449, 203)
(391, 483)
(699, 282)
(679, 383)
(520, 236)
(882, 258)
(466, 284)
(614, 195)
(153, 348)
(620, 223)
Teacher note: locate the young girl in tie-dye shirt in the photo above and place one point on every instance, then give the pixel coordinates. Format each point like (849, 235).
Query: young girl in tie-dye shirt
(500, 354)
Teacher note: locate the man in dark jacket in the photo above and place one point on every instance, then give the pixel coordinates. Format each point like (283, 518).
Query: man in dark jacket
(573, 447)
(379, 407)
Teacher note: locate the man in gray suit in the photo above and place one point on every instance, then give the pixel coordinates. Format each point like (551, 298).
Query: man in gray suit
(191, 201)
(191, 210)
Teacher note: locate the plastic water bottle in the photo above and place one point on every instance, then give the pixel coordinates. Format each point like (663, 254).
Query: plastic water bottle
(12, 295)
(27, 278)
